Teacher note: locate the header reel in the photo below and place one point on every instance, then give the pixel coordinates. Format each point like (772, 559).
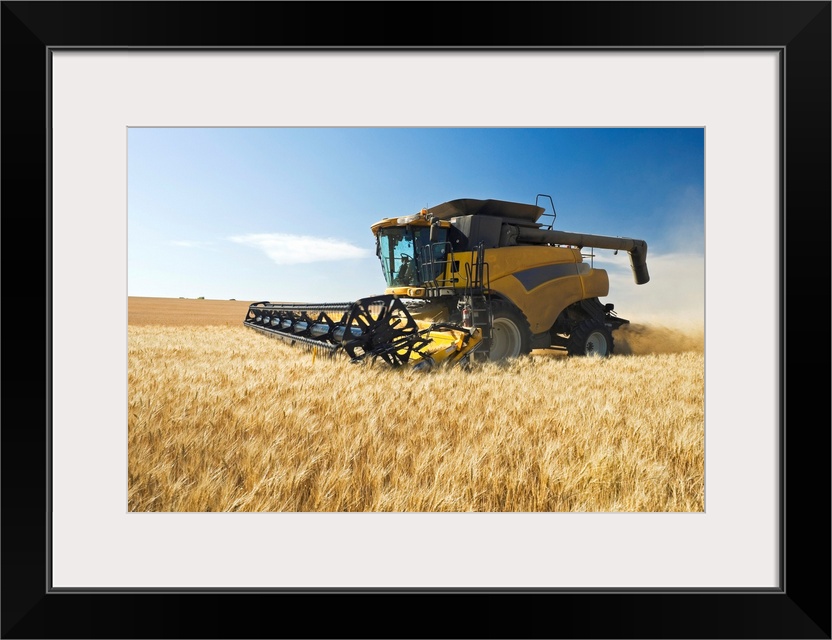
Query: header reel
(375, 327)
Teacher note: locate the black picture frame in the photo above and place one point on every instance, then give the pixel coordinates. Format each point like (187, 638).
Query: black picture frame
(800, 608)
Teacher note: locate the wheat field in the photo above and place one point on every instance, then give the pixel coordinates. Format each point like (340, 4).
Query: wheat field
(224, 418)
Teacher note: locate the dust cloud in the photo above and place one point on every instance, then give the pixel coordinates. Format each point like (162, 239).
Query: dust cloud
(641, 339)
(667, 315)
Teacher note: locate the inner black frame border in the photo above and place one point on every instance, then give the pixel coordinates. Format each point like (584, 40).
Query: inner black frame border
(799, 31)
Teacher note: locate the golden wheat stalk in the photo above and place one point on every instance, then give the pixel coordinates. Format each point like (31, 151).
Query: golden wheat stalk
(222, 419)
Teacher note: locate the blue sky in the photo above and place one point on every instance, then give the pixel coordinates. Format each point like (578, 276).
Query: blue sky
(284, 214)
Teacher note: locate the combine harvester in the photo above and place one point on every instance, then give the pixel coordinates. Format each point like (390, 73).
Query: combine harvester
(468, 280)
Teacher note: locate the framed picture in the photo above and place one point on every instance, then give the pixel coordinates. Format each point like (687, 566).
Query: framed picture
(754, 75)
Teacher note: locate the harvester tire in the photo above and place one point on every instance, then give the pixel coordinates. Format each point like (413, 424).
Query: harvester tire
(590, 338)
(510, 333)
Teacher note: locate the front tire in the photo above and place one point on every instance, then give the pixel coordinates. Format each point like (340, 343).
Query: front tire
(591, 338)
(510, 333)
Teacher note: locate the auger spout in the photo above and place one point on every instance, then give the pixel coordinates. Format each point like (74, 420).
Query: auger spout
(637, 249)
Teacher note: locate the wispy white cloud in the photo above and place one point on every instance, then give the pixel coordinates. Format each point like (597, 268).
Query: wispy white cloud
(284, 248)
(191, 244)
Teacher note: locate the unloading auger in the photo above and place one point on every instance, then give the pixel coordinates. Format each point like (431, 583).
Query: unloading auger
(378, 327)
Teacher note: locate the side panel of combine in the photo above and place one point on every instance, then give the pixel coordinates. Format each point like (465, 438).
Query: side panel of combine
(596, 283)
(543, 281)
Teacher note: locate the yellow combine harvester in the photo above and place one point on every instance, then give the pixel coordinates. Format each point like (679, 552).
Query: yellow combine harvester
(468, 279)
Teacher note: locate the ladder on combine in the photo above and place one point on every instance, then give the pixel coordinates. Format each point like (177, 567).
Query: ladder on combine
(477, 298)
(474, 298)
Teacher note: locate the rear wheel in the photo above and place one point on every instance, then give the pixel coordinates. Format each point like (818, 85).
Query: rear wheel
(510, 333)
(590, 338)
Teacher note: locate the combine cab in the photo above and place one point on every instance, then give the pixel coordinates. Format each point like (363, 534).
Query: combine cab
(467, 279)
